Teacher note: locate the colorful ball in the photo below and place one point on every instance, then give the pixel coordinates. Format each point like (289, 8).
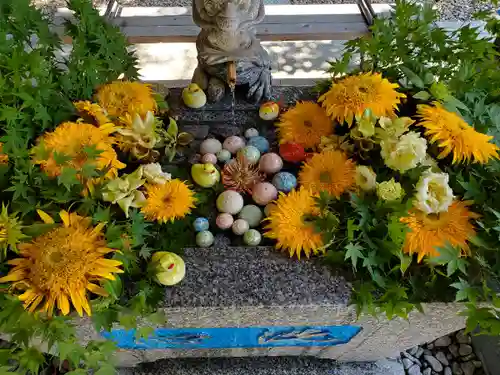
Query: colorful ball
(210, 146)
(292, 152)
(204, 239)
(240, 226)
(284, 181)
(233, 144)
(201, 224)
(209, 158)
(223, 155)
(252, 132)
(269, 111)
(230, 202)
(252, 237)
(264, 192)
(251, 153)
(261, 143)
(224, 221)
(251, 214)
(270, 163)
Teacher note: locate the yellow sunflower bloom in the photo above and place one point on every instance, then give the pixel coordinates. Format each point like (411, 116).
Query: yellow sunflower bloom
(91, 112)
(329, 171)
(121, 97)
(455, 136)
(62, 266)
(429, 232)
(70, 139)
(351, 96)
(288, 223)
(305, 123)
(4, 159)
(169, 201)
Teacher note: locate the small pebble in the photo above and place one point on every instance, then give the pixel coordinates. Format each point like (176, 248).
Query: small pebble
(414, 370)
(434, 363)
(477, 364)
(468, 368)
(447, 371)
(427, 352)
(413, 351)
(453, 350)
(441, 357)
(457, 370)
(469, 357)
(412, 358)
(462, 338)
(407, 363)
(464, 349)
(449, 357)
(442, 342)
(430, 346)
(419, 353)
(427, 371)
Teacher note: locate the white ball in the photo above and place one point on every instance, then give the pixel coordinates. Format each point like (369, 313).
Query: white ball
(210, 146)
(252, 132)
(251, 214)
(240, 226)
(233, 144)
(223, 155)
(209, 158)
(230, 202)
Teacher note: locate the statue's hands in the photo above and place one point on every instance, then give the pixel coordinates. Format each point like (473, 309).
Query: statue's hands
(261, 89)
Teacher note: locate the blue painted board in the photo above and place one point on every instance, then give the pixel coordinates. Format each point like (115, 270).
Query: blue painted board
(234, 337)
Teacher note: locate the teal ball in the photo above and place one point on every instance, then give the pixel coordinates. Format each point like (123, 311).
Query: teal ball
(251, 153)
(284, 181)
(260, 143)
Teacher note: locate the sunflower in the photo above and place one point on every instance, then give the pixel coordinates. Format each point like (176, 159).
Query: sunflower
(288, 223)
(305, 123)
(62, 265)
(352, 95)
(429, 232)
(4, 158)
(72, 140)
(455, 136)
(91, 112)
(121, 97)
(329, 171)
(169, 201)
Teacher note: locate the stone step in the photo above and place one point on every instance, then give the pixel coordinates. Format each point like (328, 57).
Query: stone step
(265, 366)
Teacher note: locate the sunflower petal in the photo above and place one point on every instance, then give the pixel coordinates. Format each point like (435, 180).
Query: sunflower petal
(46, 218)
(63, 303)
(64, 215)
(96, 289)
(76, 301)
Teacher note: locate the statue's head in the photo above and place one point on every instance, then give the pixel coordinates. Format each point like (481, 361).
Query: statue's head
(227, 15)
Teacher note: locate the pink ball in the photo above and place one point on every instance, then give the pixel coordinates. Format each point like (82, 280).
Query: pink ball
(209, 158)
(224, 221)
(264, 192)
(233, 144)
(270, 163)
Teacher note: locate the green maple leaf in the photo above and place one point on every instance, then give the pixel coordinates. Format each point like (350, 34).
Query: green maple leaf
(353, 252)
(452, 258)
(464, 291)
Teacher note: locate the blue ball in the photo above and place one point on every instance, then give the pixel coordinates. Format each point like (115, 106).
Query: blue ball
(284, 181)
(260, 143)
(201, 224)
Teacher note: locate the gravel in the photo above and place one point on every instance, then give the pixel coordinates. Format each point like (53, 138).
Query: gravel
(448, 355)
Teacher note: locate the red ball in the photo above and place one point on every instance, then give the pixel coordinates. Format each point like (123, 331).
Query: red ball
(292, 152)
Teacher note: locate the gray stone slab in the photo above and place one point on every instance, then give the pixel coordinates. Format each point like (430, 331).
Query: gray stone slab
(258, 276)
(488, 350)
(265, 366)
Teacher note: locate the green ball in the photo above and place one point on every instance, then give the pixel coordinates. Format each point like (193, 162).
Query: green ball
(251, 214)
(252, 237)
(204, 238)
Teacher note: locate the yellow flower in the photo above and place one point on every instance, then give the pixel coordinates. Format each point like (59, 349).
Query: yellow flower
(121, 97)
(390, 190)
(169, 201)
(351, 96)
(289, 224)
(393, 128)
(455, 136)
(434, 194)
(4, 159)
(430, 232)
(329, 171)
(366, 178)
(70, 140)
(336, 142)
(62, 265)
(305, 123)
(404, 153)
(366, 124)
(91, 113)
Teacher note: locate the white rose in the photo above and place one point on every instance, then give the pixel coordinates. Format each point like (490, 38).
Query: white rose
(366, 178)
(404, 153)
(154, 174)
(434, 195)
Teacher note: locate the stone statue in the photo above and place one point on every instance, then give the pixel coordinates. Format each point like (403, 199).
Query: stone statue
(227, 36)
